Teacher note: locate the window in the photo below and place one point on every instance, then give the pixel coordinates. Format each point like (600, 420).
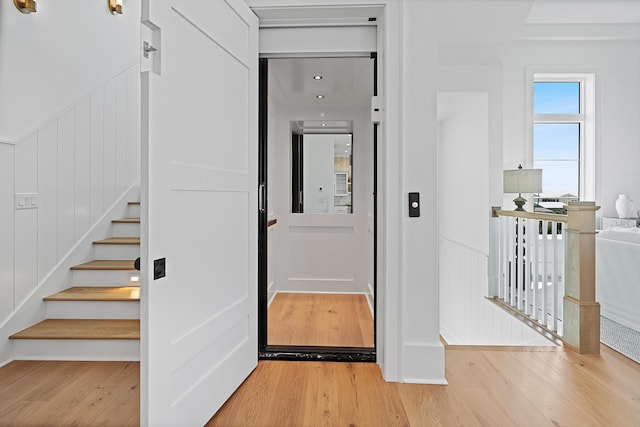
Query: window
(563, 139)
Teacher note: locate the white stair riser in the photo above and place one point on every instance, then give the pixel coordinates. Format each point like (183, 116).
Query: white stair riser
(104, 277)
(125, 229)
(134, 211)
(93, 309)
(116, 251)
(121, 350)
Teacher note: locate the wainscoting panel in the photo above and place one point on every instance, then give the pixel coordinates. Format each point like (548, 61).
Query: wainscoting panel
(466, 317)
(97, 162)
(25, 221)
(66, 181)
(7, 154)
(324, 258)
(82, 214)
(79, 163)
(47, 198)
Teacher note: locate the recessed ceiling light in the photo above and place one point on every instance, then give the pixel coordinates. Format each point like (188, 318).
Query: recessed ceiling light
(319, 96)
(324, 124)
(348, 145)
(317, 77)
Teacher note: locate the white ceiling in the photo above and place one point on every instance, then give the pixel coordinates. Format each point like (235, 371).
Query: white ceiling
(584, 12)
(468, 32)
(345, 83)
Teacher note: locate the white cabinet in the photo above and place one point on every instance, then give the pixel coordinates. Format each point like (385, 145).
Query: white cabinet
(341, 181)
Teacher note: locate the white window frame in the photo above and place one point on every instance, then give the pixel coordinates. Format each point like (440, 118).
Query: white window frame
(586, 118)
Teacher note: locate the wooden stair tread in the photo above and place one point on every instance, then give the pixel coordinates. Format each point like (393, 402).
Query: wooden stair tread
(82, 329)
(105, 264)
(118, 241)
(134, 203)
(97, 293)
(127, 221)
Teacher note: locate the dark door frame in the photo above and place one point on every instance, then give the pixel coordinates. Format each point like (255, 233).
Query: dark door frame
(297, 352)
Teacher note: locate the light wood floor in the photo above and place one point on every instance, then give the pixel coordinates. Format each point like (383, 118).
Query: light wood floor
(36, 393)
(487, 387)
(491, 386)
(341, 320)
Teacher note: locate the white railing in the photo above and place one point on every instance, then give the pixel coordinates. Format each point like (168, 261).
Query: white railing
(531, 264)
(544, 272)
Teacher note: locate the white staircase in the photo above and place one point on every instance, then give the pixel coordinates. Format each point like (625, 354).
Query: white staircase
(98, 316)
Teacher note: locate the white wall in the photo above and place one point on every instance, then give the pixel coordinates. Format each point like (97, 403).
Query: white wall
(421, 353)
(463, 169)
(68, 131)
(318, 166)
(319, 252)
(7, 273)
(466, 317)
(616, 65)
(79, 164)
(54, 57)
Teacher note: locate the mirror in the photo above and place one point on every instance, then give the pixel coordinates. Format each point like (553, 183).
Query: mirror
(321, 167)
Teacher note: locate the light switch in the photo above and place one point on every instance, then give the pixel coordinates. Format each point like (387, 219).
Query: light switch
(26, 200)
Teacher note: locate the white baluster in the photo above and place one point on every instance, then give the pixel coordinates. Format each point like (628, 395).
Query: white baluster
(511, 295)
(529, 248)
(504, 258)
(545, 271)
(554, 279)
(535, 300)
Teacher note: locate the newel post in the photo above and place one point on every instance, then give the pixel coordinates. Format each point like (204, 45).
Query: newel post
(581, 318)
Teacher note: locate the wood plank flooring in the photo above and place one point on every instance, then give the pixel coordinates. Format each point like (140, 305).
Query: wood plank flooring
(46, 393)
(341, 320)
(488, 386)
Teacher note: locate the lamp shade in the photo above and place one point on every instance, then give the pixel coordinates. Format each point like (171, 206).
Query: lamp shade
(522, 180)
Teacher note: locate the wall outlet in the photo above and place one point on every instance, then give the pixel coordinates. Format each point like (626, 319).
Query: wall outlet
(26, 201)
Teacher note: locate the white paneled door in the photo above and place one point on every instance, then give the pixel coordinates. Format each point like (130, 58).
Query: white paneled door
(199, 198)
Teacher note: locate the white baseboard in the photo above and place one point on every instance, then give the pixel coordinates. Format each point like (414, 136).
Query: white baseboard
(423, 363)
(321, 285)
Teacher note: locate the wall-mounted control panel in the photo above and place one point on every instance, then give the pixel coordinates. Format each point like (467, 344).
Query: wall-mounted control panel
(26, 200)
(414, 204)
